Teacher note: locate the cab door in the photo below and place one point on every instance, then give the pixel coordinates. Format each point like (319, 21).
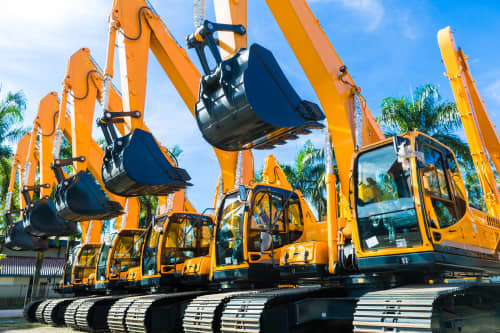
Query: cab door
(445, 202)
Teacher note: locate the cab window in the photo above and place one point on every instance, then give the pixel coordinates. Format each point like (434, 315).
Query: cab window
(295, 222)
(435, 184)
(434, 176)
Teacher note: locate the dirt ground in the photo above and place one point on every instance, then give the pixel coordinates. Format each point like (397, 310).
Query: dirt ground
(18, 325)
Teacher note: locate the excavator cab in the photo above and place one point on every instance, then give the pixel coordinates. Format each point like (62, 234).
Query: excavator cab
(246, 101)
(85, 266)
(419, 226)
(17, 239)
(66, 284)
(80, 197)
(134, 164)
(172, 240)
(254, 224)
(40, 217)
(123, 264)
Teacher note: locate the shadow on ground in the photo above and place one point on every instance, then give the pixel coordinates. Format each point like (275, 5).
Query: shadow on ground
(18, 325)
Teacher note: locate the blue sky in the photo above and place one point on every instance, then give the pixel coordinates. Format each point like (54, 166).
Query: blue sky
(389, 46)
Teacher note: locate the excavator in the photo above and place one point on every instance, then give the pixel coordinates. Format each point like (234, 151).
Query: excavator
(175, 236)
(411, 256)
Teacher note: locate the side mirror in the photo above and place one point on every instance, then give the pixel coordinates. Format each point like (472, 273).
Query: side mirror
(243, 193)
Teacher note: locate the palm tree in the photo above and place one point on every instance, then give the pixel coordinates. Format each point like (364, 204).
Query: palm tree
(307, 174)
(426, 112)
(12, 107)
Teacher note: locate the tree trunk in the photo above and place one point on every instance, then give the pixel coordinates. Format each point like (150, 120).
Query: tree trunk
(36, 275)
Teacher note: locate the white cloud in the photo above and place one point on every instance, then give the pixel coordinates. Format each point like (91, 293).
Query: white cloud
(408, 28)
(371, 11)
(493, 91)
(27, 24)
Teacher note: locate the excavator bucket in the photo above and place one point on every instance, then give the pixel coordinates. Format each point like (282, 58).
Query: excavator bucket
(40, 219)
(18, 240)
(247, 102)
(135, 165)
(81, 198)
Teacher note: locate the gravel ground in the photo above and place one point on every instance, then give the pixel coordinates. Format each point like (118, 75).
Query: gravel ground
(18, 325)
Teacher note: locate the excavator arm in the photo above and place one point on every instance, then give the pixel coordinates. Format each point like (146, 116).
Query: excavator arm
(481, 133)
(139, 29)
(16, 237)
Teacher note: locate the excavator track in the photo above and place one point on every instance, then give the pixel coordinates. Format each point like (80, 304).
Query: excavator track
(118, 312)
(92, 314)
(203, 314)
(426, 309)
(39, 311)
(158, 313)
(70, 313)
(29, 312)
(53, 313)
(246, 313)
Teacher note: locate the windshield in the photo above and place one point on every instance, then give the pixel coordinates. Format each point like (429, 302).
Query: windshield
(229, 238)
(384, 205)
(187, 236)
(87, 262)
(127, 252)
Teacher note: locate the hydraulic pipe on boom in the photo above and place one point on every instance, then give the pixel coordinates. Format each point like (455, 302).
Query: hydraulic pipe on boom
(41, 218)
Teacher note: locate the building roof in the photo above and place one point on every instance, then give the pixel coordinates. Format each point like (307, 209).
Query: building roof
(18, 266)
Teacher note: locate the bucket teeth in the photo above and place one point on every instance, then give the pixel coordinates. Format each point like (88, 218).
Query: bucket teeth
(138, 167)
(248, 103)
(81, 198)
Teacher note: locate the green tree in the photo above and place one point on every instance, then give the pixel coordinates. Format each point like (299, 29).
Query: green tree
(12, 108)
(426, 112)
(439, 119)
(307, 174)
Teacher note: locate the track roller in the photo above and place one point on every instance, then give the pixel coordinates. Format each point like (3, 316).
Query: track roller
(40, 309)
(53, 313)
(118, 312)
(159, 313)
(468, 307)
(267, 311)
(70, 313)
(91, 315)
(203, 314)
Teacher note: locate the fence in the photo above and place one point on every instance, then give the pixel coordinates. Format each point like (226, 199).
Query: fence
(14, 296)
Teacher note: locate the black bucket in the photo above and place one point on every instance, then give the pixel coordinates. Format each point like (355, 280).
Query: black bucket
(81, 198)
(247, 102)
(41, 219)
(135, 165)
(18, 240)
